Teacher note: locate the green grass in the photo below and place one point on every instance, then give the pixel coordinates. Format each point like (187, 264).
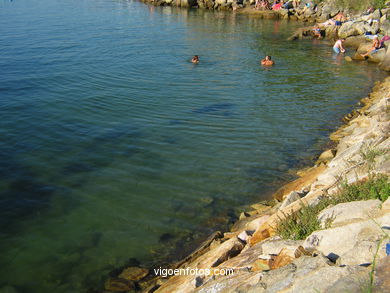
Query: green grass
(370, 154)
(304, 222)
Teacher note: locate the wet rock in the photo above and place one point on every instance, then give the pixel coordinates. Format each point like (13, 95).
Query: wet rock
(358, 57)
(244, 215)
(260, 208)
(134, 273)
(349, 212)
(299, 184)
(119, 285)
(206, 200)
(348, 59)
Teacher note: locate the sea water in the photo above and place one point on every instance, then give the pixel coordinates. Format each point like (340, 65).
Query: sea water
(116, 150)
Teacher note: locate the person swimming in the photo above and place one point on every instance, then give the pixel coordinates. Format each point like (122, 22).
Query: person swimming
(267, 61)
(195, 59)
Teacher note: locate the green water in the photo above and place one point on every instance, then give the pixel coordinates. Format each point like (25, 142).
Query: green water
(114, 147)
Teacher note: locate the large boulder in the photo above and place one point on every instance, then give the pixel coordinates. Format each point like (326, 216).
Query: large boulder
(385, 27)
(352, 244)
(377, 57)
(385, 64)
(347, 29)
(349, 212)
(363, 27)
(364, 47)
(354, 41)
(377, 14)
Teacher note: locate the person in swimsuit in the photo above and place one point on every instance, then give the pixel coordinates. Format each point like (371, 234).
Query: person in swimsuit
(195, 59)
(267, 61)
(376, 45)
(338, 46)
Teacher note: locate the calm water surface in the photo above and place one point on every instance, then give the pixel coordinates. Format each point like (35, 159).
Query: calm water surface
(114, 146)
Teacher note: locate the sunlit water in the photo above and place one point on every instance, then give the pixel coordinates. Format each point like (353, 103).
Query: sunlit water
(114, 146)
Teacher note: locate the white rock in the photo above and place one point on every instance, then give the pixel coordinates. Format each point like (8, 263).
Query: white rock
(341, 241)
(349, 212)
(243, 236)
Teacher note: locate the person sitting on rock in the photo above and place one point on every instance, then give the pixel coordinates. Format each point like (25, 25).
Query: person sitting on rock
(262, 5)
(339, 18)
(338, 46)
(195, 59)
(277, 5)
(376, 45)
(267, 61)
(317, 32)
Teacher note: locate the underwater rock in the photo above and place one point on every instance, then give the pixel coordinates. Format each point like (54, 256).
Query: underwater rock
(134, 273)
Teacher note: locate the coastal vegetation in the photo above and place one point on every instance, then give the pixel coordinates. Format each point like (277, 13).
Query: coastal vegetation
(301, 224)
(359, 5)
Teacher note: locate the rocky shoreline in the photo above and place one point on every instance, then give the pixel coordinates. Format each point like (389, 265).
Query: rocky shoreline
(344, 254)
(350, 250)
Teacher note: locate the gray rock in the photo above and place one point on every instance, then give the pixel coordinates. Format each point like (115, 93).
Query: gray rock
(292, 197)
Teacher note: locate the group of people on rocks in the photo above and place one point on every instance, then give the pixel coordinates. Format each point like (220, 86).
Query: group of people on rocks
(267, 61)
(276, 5)
(338, 47)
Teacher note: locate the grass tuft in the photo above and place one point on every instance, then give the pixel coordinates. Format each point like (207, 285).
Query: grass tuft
(301, 224)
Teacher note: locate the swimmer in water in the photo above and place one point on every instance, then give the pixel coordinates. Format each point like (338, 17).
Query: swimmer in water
(195, 59)
(267, 61)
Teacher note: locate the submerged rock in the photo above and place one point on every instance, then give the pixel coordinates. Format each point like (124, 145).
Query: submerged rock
(119, 285)
(134, 273)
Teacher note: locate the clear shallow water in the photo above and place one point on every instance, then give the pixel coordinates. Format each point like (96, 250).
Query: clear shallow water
(114, 146)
